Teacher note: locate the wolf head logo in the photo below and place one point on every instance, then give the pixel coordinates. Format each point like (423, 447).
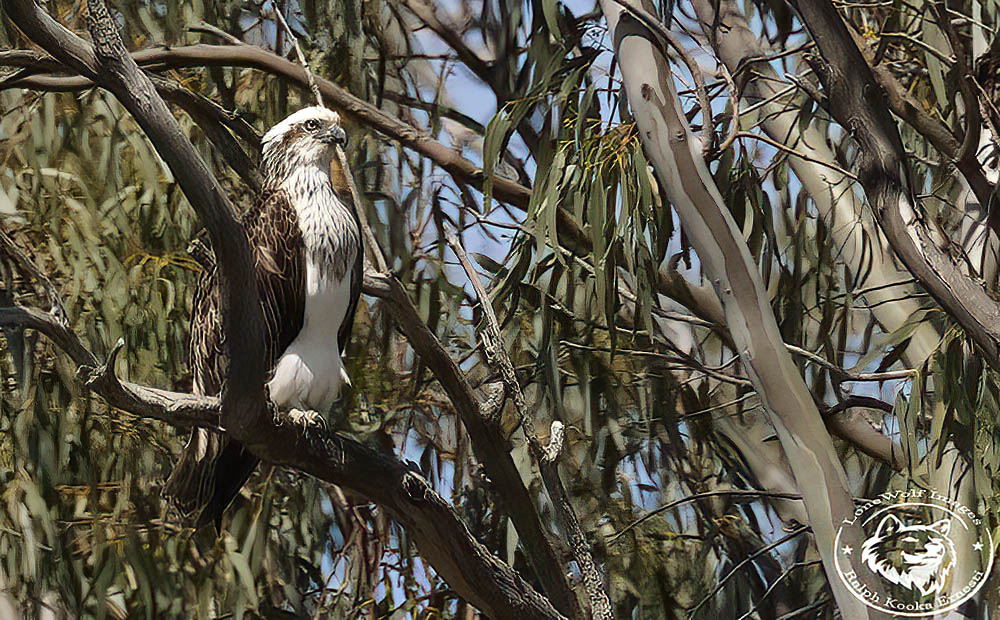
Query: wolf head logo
(918, 557)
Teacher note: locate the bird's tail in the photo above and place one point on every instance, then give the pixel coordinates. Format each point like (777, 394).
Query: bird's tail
(210, 473)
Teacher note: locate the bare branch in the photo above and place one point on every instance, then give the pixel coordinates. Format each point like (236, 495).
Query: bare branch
(498, 359)
(845, 375)
(487, 434)
(905, 105)
(374, 251)
(310, 79)
(736, 493)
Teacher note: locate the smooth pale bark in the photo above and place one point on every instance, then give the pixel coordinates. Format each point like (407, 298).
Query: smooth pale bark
(831, 192)
(848, 227)
(676, 156)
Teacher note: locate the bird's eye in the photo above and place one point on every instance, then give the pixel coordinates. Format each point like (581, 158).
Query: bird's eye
(312, 124)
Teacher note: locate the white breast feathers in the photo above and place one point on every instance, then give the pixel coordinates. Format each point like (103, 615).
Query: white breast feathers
(310, 372)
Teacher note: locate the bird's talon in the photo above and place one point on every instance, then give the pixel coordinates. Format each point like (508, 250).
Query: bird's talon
(305, 419)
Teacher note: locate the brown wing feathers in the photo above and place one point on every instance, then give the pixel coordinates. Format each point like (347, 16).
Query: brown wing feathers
(213, 468)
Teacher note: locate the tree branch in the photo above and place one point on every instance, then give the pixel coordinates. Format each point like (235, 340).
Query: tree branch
(725, 258)
(244, 410)
(243, 55)
(497, 358)
(571, 235)
(904, 105)
(489, 439)
(857, 102)
(442, 537)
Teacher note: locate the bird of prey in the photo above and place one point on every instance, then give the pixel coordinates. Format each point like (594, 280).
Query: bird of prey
(305, 236)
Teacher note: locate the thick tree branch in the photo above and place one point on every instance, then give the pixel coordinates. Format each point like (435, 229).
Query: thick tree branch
(243, 55)
(442, 537)
(489, 438)
(108, 63)
(217, 123)
(244, 410)
(858, 103)
(727, 263)
(904, 105)
(331, 457)
(464, 171)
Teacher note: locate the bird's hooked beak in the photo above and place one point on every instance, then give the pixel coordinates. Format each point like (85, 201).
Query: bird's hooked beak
(334, 135)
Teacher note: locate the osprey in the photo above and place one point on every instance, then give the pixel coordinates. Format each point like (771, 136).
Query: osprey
(305, 235)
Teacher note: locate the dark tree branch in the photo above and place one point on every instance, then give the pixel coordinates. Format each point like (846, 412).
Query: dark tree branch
(217, 123)
(498, 359)
(464, 171)
(973, 118)
(348, 464)
(244, 411)
(109, 65)
(488, 435)
(442, 537)
(858, 103)
(243, 55)
(904, 105)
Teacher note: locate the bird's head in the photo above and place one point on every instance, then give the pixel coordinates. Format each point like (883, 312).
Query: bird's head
(307, 137)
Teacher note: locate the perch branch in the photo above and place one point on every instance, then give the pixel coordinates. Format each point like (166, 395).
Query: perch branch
(442, 537)
(244, 410)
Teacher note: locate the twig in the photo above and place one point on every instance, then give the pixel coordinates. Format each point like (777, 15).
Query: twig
(374, 251)
(498, 359)
(750, 558)
(774, 584)
(206, 28)
(302, 57)
(31, 272)
(845, 375)
(791, 151)
(734, 104)
(693, 498)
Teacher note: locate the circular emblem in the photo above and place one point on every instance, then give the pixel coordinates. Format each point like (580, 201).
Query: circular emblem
(913, 553)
